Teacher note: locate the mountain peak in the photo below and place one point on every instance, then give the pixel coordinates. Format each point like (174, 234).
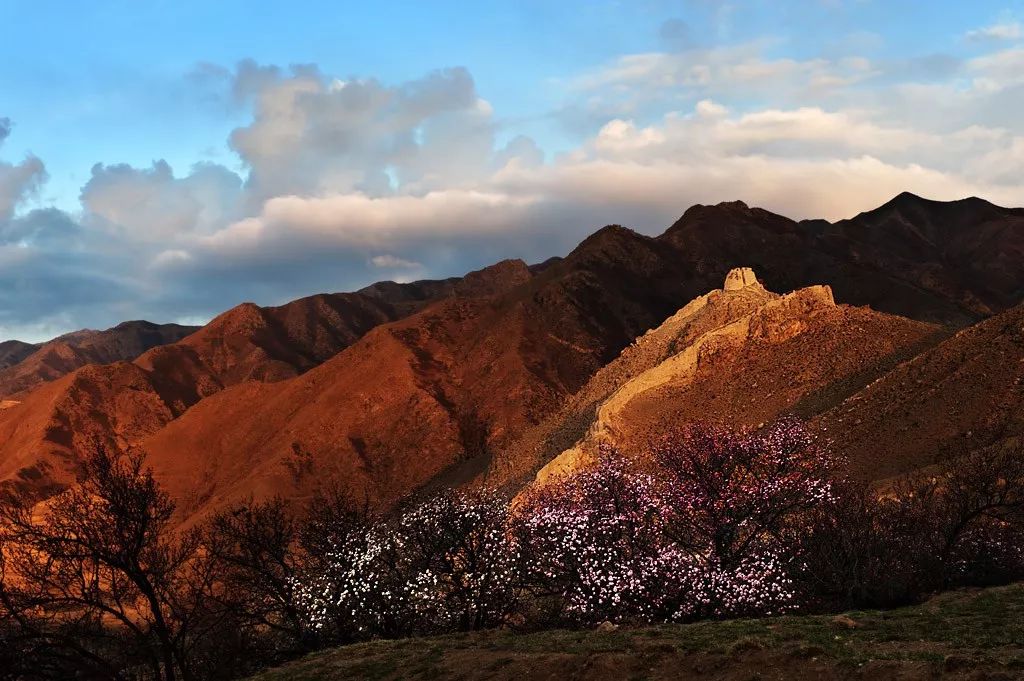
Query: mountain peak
(497, 278)
(908, 201)
(721, 208)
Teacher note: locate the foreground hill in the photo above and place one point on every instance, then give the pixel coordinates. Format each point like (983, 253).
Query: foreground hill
(61, 356)
(740, 356)
(971, 634)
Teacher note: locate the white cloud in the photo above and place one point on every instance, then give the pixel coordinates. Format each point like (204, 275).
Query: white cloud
(367, 222)
(634, 82)
(17, 181)
(1005, 31)
(313, 135)
(151, 204)
(393, 262)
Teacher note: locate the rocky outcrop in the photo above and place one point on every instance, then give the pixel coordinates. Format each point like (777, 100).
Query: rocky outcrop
(756, 339)
(739, 278)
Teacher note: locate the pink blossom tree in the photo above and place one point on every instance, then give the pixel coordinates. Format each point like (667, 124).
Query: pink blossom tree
(734, 505)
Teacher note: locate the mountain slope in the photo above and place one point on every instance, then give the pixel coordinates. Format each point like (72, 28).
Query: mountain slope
(13, 352)
(966, 393)
(439, 390)
(45, 432)
(43, 437)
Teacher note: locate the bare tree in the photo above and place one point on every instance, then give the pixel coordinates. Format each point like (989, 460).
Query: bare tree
(96, 576)
(254, 548)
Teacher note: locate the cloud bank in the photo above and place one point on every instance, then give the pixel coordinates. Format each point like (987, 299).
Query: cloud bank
(341, 182)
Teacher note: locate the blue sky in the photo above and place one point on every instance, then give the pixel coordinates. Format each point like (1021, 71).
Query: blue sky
(341, 143)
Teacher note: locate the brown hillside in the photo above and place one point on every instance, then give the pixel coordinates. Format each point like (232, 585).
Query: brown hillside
(44, 432)
(42, 437)
(436, 393)
(964, 394)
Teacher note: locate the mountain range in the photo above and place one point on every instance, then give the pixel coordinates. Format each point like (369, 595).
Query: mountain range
(897, 334)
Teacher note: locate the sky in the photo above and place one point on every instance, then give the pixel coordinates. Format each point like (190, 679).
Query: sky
(168, 160)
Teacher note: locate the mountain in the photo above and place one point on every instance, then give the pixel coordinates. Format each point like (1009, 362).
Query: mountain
(952, 263)
(439, 391)
(63, 355)
(740, 356)
(45, 431)
(398, 386)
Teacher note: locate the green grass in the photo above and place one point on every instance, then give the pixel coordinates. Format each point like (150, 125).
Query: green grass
(967, 629)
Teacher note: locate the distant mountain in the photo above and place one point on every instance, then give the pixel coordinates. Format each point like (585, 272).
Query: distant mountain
(435, 383)
(947, 262)
(12, 352)
(61, 356)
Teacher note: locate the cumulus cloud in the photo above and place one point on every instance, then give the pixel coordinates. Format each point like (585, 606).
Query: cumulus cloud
(313, 134)
(152, 204)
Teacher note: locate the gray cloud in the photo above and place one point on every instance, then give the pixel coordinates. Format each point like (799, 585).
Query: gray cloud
(311, 134)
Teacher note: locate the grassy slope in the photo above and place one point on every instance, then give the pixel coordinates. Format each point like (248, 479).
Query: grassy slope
(977, 634)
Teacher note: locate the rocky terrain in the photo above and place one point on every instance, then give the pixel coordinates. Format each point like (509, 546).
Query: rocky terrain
(740, 356)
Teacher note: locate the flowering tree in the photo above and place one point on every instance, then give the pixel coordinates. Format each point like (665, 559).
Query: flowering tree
(593, 544)
(444, 563)
(734, 502)
(355, 590)
(955, 524)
